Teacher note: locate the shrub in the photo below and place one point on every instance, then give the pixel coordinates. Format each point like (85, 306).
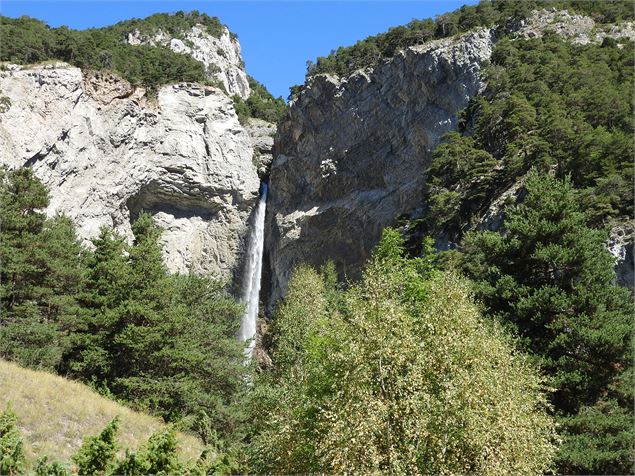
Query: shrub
(97, 452)
(11, 449)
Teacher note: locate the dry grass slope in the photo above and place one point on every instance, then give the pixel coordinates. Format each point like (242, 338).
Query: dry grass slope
(55, 414)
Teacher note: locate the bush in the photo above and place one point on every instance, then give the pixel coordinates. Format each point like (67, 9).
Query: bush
(11, 449)
(260, 104)
(97, 452)
(44, 468)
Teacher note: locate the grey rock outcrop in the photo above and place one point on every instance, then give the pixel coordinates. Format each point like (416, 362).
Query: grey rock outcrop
(106, 152)
(621, 244)
(351, 153)
(221, 56)
(261, 134)
(578, 29)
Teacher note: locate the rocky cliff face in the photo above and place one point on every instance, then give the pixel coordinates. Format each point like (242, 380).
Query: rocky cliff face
(221, 56)
(106, 152)
(351, 153)
(579, 29)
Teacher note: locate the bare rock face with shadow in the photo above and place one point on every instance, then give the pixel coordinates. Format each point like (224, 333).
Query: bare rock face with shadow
(106, 151)
(351, 154)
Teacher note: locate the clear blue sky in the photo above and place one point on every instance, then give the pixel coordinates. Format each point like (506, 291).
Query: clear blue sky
(277, 38)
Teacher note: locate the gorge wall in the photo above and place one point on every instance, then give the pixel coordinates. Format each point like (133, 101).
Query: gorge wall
(351, 153)
(106, 151)
(349, 157)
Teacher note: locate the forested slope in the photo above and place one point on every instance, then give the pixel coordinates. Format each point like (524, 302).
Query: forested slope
(520, 195)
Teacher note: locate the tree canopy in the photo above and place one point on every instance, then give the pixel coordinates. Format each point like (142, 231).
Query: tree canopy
(397, 374)
(113, 317)
(368, 52)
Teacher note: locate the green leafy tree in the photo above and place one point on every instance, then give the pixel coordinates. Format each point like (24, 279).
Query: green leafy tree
(132, 464)
(552, 277)
(398, 374)
(163, 343)
(103, 294)
(161, 453)
(462, 178)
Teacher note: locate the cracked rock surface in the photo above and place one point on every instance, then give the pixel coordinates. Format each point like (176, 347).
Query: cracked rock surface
(221, 56)
(106, 152)
(351, 153)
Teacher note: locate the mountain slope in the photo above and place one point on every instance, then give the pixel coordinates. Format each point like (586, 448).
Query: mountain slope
(353, 152)
(55, 414)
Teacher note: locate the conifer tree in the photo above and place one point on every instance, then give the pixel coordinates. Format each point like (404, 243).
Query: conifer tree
(12, 458)
(550, 277)
(40, 272)
(103, 294)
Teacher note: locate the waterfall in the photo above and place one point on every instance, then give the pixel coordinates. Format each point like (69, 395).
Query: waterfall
(251, 278)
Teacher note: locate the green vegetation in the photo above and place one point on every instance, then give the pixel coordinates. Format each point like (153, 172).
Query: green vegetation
(113, 317)
(95, 454)
(12, 457)
(174, 25)
(550, 279)
(549, 105)
(55, 415)
(511, 356)
(260, 104)
(367, 53)
(27, 40)
(398, 374)
(98, 454)
(555, 118)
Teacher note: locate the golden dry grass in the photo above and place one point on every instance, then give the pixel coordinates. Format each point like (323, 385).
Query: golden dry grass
(55, 414)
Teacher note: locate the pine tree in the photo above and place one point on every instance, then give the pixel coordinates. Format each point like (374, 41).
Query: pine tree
(102, 297)
(40, 272)
(551, 278)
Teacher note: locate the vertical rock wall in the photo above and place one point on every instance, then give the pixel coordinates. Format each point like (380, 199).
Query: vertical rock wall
(351, 153)
(106, 152)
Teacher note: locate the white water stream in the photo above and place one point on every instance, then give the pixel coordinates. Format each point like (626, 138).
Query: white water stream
(251, 279)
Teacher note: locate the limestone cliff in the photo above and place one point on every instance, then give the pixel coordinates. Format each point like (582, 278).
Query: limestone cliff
(106, 152)
(578, 29)
(221, 56)
(351, 153)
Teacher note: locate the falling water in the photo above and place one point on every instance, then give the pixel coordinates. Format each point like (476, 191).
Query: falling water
(251, 279)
